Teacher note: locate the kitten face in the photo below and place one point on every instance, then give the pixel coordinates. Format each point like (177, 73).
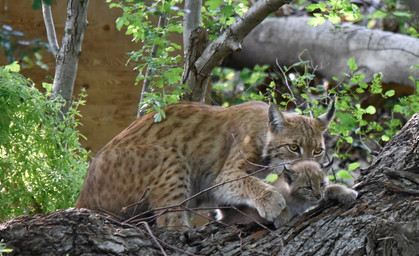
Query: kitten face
(307, 180)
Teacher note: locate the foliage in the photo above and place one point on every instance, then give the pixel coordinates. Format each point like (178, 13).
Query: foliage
(16, 49)
(217, 15)
(346, 10)
(334, 11)
(157, 53)
(3, 248)
(42, 163)
(232, 87)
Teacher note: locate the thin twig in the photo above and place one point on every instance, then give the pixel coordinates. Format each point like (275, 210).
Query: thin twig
(150, 70)
(285, 80)
(153, 237)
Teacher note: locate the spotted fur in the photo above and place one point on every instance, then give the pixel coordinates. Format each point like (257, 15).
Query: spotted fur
(195, 147)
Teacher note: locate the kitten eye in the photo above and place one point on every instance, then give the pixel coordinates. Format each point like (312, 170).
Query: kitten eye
(294, 148)
(308, 188)
(318, 151)
(322, 184)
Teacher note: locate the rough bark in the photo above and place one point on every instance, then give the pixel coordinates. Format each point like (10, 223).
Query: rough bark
(328, 49)
(384, 220)
(67, 56)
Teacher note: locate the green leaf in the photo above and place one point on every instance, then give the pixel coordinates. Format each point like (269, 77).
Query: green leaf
(385, 138)
(398, 108)
(389, 93)
(36, 4)
(360, 90)
(334, 18)
(352, 64)
(344, 174)
(331, 177)
(227, 10)
(353, 166)
(349, 139)
(312, 7)
(370, 110)
(13, 67)
(213, 4)
(318, 19)
(271, 178)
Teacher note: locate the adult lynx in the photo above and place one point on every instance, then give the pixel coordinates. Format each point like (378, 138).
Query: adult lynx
(195, 147)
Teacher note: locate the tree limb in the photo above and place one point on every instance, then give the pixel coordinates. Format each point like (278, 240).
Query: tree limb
(329, 48)
(230, 40)
(50, 28)
(191, 21)
(67, 58)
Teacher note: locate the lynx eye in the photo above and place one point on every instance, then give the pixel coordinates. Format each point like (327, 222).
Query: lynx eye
(318, 151)
(308, 188)
(294, 148)
(322, 185)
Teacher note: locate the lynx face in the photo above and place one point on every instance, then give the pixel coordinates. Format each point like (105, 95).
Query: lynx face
(195, 147)
(284, 143)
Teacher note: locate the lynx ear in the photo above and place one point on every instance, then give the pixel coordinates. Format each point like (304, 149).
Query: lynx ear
(327, 117)
(289, 175)
(276, 119)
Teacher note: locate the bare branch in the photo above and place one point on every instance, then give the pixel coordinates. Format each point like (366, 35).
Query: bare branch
(49, 26)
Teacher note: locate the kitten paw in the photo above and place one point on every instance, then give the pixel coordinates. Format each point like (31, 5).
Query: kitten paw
(347, 197)
(270, 205)
(341, 194)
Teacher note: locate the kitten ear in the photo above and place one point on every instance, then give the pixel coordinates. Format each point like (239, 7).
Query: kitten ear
(327, 117)
(276, 119)
(289, 175)
(326, 166)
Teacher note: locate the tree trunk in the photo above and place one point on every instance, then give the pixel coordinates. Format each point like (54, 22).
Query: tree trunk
(197, 73)
(329, 48)
(67, 56)
(384, 220)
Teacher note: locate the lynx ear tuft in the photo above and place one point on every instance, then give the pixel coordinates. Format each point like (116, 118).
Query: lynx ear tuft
(289, 174)
(275, 118)
(327, 117)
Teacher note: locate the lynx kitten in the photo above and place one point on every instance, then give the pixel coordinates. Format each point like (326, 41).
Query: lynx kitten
(303, 185)
(195, 147)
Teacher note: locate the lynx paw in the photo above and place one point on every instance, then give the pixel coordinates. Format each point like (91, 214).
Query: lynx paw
(283, 218)
(270, 205)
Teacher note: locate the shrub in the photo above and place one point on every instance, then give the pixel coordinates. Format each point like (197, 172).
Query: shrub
(42, 163)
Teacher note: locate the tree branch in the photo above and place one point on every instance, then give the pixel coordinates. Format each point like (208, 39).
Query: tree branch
(230, 40)
(67, 57)
(49, 26)
(192, 20)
